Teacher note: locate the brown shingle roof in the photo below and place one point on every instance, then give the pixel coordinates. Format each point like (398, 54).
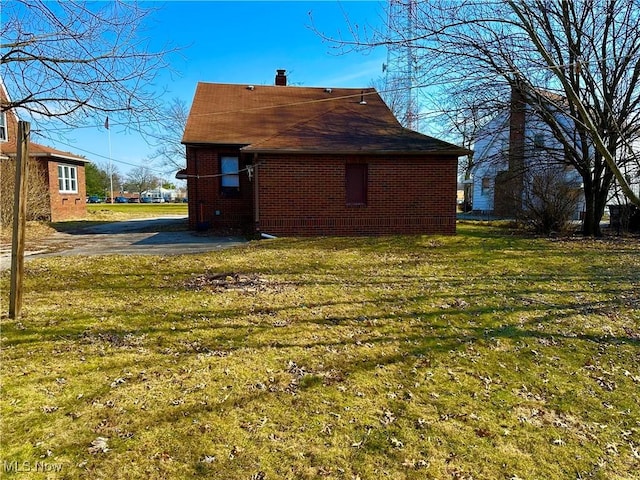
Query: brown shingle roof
(10, 147)
(302, 119)
(36, 150)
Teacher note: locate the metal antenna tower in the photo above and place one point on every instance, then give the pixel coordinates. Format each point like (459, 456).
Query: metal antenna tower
(400, 69)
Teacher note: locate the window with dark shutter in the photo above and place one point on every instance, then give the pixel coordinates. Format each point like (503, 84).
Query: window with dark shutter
(356, 183)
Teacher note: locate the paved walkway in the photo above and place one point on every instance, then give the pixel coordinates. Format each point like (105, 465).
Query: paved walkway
(154, 236)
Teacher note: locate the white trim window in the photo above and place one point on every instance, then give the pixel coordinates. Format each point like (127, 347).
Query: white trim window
(68, 178)
(4, 136)
(230, 178)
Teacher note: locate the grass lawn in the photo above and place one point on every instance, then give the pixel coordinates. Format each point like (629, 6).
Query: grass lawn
(125, 211)
(138, 210)
(486, 355)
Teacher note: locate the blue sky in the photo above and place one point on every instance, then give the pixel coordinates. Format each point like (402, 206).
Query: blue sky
(241, 42)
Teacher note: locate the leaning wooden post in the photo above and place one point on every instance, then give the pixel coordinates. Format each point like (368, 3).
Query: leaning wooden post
(19, 221)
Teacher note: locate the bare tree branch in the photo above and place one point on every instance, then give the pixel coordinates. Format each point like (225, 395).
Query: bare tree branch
(168, 135)
(73, 61)
(577, 61)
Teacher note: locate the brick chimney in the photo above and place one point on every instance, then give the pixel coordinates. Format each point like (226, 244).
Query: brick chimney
(281, 78)
(510, 183)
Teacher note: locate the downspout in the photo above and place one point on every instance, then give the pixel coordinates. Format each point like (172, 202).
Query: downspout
(256, 196)
(196, 195)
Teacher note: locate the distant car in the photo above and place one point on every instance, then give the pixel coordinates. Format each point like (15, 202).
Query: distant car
(122, 200)
(94, 199)
(145, 200)
(134, 200)
(185, 200)
(158, 200)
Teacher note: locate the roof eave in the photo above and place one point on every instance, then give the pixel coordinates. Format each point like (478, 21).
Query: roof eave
(449, 153)
(208, 143)
(57, 155)
(45, 155)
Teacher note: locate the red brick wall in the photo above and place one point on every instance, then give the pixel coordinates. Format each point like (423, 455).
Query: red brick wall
(406, 195)
(66, 206)
(208, 207)
(306, 196)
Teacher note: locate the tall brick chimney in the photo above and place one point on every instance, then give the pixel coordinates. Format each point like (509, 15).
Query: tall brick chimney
(510, 183)
(517, 130)
(281, 78)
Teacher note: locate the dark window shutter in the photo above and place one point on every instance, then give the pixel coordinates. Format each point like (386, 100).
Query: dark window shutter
(356, 183)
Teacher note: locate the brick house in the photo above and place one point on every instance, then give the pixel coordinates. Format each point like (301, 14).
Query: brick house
(64, 172)
(300, 161)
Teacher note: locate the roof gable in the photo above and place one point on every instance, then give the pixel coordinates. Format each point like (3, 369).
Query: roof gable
(241, 114)
(301, 119)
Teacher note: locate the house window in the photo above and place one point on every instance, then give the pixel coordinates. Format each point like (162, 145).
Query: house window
(3, 127)
(356, 183)
(486, 184)
(230, 179)
(68, 179)
(538, 141)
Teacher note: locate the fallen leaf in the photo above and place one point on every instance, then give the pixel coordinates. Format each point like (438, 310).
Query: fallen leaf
(396, 443)
(99, 445)
(117, 381)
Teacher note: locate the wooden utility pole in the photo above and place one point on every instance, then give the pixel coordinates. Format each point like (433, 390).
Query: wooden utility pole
(19, 220)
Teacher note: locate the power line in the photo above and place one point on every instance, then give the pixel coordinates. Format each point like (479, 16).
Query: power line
(577, 64)
(94, 154)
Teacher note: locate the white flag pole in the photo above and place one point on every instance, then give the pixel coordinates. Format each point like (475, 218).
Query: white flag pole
(106, 124)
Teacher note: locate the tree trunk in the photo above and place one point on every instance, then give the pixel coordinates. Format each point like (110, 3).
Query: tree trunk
(590, 222)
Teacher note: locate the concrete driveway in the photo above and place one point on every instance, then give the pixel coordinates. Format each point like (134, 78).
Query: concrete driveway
(152, 236)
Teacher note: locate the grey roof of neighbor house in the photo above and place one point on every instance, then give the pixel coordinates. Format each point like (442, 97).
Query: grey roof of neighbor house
(263, 119)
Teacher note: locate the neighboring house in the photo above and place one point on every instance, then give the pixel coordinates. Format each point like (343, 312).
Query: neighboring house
(511, 152)
(63, 171)
(160, 195)
(301, 161)
(631, 171)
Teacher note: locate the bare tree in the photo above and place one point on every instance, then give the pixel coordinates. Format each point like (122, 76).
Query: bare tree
(140, 179)
(465, 111)
(591, 52)
(550, 202)
(167, 139)
(77, 61)
(586, 53)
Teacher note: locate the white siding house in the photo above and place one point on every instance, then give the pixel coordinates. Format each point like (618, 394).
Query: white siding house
(631, 171)
(160, 195)
(539, 154)
(491, 156)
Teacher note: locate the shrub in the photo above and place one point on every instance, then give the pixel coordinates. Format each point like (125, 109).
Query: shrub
(38, 206)
(550, 202)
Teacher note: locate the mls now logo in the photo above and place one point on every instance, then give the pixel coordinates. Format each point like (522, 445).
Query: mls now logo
(26, 466)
